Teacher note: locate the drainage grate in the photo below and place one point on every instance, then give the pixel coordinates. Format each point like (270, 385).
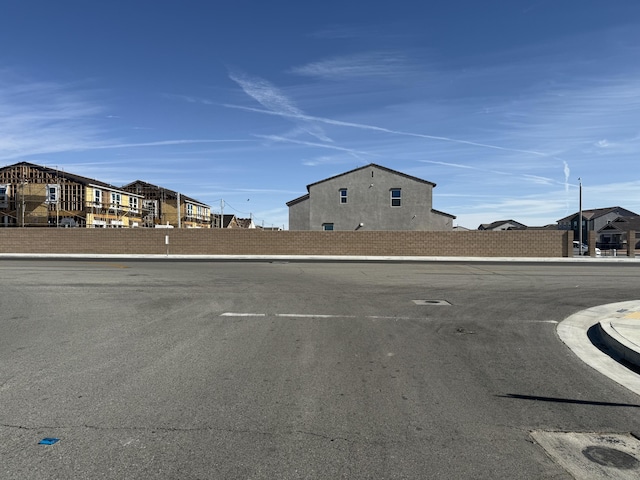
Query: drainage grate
(431, 302)
(593, 455)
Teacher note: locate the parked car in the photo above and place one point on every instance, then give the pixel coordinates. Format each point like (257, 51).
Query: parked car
(585, 249)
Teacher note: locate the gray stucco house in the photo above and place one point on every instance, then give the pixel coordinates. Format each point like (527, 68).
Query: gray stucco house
(593, 220)
(368, 198)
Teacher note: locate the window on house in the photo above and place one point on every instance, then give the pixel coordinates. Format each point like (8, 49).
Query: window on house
(396, 197)
(327, 227)
(116, 200)
(343, 195)
(97, 197)
(4, 197)
(53, 193)
(133, 204)
(150, 207)
(189, 210)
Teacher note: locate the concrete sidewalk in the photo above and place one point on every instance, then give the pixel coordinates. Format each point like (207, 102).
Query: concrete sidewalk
(620, 332)
(614, 326)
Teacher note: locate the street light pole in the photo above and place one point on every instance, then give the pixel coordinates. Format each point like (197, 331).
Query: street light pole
(580, 220)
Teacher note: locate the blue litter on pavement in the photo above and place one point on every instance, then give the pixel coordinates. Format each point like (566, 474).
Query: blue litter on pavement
(48, 441)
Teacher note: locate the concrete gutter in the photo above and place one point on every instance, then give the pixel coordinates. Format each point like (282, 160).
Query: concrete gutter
(351, 258)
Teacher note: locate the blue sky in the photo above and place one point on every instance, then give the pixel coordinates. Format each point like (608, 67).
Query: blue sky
(503, 104)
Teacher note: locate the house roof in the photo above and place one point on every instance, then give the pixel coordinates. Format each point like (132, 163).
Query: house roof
(245, 222)
(623, 224)
(395, 172)
(66, 175)
(549, 226)
(171, 193)
(594, 213)
(442, 213)
(492, 225)
(228, 219)
(298, 200)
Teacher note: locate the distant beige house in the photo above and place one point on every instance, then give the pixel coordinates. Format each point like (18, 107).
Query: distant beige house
(231, 221)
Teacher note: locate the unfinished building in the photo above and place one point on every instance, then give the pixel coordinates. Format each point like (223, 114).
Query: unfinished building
(37, 196)
(165, 207)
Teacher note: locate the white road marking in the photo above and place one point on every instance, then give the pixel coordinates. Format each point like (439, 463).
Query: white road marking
(307, 315)
(296, 315)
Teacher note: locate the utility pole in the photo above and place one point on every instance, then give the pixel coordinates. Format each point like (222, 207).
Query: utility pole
(580, 218)
(179, 215)
(221, 213)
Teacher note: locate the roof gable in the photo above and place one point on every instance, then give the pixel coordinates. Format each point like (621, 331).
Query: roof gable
(167, 191)
(371, 165)
(65, 175)
(622, 224)
(594, 213)
(498, 223)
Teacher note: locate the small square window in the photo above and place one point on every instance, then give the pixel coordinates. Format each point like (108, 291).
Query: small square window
(327, 227)
(343, 195)
(116, 200)
(53, 193)
(4, 196)
(133, 204)
(396, 197)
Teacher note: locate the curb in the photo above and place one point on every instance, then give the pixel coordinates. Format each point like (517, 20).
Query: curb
(345, 258)
(573, 332)
(622, 347)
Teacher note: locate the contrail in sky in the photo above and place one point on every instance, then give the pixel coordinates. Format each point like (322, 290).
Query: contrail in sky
(361, 126)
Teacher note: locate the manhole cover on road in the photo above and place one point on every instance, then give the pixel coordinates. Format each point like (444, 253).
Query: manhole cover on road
(611, 457)
(431, 302)
(593, 455)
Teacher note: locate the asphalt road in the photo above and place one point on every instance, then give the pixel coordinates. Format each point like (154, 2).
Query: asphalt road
(276, 370)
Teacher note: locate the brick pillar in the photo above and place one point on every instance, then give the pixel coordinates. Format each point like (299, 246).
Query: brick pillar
(631, 243)
(592, 243)
(567, 250)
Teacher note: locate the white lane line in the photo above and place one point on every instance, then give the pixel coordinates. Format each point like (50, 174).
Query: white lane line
(306, 315)
(312, 316)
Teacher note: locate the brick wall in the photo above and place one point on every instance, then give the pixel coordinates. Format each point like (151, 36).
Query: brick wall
(518, 243)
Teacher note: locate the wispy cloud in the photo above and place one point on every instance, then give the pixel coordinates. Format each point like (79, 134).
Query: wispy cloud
(189, 99)
(323, 160)
(375, 64)
(161, 143)
(363, 126)
(531, 178)
(38, 117)
(276, 103)
(277, 138)
(447, 164)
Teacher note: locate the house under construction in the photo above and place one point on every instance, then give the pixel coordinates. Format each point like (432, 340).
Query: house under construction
(164, 207)
(38, 196)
